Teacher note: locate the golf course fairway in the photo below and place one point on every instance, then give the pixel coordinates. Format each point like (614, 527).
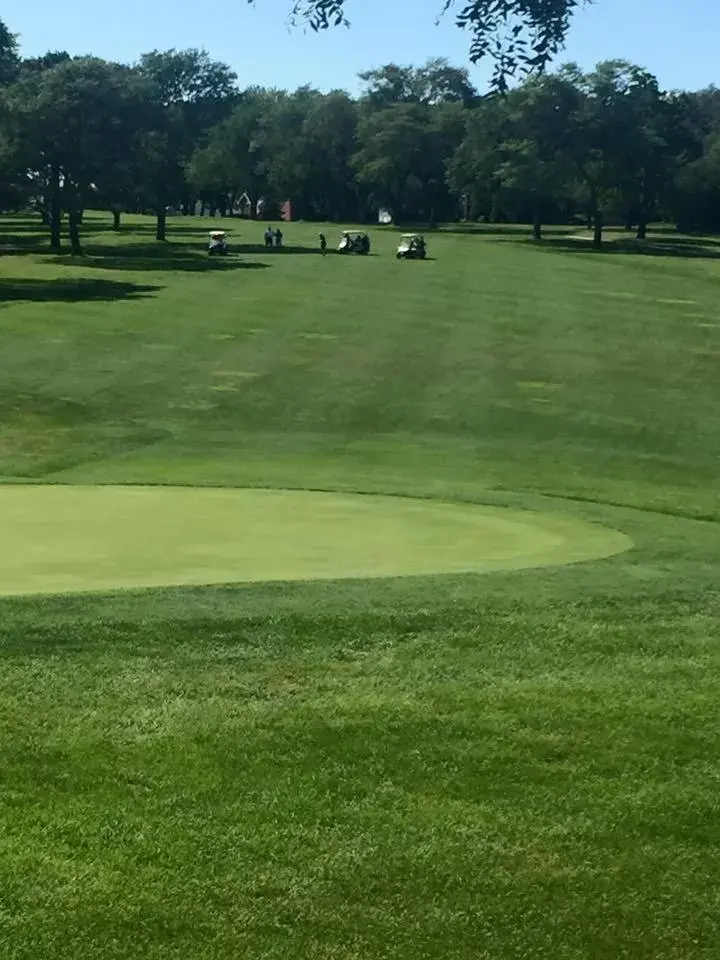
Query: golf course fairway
(59, 539)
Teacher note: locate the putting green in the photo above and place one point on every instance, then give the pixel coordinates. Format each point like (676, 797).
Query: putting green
(57, 539)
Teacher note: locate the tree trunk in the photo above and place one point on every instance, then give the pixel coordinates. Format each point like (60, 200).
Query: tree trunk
(56, 227)
(161, 227)
(74, 229)
(537, 226)
(55, 211)
(642, 228)
(117, 214)
(598, 230)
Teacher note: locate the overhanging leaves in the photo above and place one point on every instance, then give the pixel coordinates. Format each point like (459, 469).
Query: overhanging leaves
(518, 35)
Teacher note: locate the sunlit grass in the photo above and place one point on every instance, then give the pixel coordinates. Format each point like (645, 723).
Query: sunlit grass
(510, 765)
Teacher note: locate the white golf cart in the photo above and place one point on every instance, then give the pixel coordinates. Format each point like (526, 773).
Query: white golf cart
(354, 242)
(218, 244)
(411, 247)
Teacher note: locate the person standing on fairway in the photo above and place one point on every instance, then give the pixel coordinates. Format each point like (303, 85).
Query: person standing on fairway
(278, 238)
(323, 244)
(269, 238)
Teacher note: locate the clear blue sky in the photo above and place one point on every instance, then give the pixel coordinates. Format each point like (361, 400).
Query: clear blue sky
(676, 39)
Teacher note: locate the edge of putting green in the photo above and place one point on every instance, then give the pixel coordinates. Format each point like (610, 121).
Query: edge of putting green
(74, 538)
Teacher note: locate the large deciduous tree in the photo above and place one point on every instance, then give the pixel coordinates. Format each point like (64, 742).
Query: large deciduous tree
(190, 93)
(392, 149)
(404, 153)
(434, 83)
(606, 140)
(533, 158)
(473, 170)
(695, 200)
(232, 161)
(329, 131)
(72, 124)
(277, 146)
(615, 138)
(9, 55)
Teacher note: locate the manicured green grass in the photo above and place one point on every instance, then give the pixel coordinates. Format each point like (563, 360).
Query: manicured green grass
(514, 765)
(58, 539)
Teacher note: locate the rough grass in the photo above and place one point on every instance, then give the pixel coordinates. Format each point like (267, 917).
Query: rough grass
(511, 766)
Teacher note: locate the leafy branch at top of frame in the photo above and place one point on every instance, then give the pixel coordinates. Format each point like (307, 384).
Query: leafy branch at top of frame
(519, 36)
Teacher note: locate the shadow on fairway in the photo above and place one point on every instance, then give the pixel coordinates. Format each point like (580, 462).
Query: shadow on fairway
(155, 257)
(14, 245)
(43, 230)
(175, 230)
(237, 231)
(289, 250)
(688, 248)
(510, 230)
(72, 291)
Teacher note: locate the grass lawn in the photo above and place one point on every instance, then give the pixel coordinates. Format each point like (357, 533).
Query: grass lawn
(519, 765)
(72, 537)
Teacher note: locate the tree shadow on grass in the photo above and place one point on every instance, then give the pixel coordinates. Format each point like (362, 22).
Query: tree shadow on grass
(688, 241)
(76, 290)
(10, 227)
(668, 231)
(238, 231)
(173, 230)
(687, 248)
(157, 257)
(509, 230)
(178, 227)
(288, 250)
(13, 245)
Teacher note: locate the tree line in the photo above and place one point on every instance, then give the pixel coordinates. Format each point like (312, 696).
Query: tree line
(174, 132)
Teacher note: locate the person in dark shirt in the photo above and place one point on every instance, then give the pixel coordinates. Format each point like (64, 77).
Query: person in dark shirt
(323, 244)
(278, 238)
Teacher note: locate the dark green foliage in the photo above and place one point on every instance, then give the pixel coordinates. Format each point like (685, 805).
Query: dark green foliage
(172, 132)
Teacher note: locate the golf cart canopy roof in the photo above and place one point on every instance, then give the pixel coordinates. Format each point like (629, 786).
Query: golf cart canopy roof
(412, 236)
(218, 233)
